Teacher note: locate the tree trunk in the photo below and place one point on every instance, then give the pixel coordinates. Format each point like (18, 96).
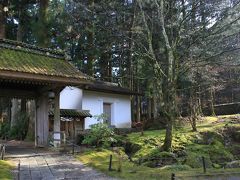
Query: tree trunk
(167, 146)
(30, 108)
(154, 110)
(20, 29)
(2, 21)
(90, 40)
(170, 92)
(138, 109)
(42, 31)
(212, 102)
(193, 109)
(149, 108)
(14, 112)
(23, 105)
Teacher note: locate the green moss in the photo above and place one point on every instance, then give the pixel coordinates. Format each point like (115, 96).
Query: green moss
(100, 160)
(177, 167)
(188, 148)
(219, 154)
(148, 142)
(5, 170)
(18, 60)
(235, 150)
(209, 137)
(156, 153)
(194, 160)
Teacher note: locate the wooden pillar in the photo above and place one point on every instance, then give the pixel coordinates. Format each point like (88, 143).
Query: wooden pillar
(30, 108)
(42, 123)
(14, 112)
(57, 125)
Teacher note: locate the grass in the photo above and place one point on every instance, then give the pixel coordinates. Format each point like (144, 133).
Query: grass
(100, 160)
(183, 138)
(5, 170)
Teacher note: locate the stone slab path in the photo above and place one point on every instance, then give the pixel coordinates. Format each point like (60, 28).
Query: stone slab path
(51, 167)
(42, 164)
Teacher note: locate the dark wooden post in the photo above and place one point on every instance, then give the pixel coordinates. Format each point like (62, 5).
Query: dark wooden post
(73, 139)
(19, 170)
(110, 163)
(2, 152)
(173, 176)
(204, 164)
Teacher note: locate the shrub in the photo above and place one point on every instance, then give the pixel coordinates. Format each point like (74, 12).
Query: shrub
(100, 135)
(79, 139)
(5, 128)
(19, 130)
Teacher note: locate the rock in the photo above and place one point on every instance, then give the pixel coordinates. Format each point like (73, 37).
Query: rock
(159, 158)
(217, 166)
(198, 139)
(233, 164)
(181, 153)
(132, 171)
(210, 136)
(232, 132)
(195, 161)
(235, 150)
(131, 148)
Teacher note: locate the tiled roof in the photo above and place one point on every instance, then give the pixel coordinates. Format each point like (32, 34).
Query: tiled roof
(72, 113)
(108, 87)
(24, 58)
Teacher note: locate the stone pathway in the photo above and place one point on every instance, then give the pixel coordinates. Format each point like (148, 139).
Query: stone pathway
(41, 164)
(50, 167)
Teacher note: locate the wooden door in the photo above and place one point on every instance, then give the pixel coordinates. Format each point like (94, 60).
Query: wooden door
(107, 111)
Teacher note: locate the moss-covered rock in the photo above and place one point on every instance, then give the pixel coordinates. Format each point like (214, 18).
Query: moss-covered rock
(219, 154)
(194, 160)
(159, 158)
(177, 167)
(217, 166)
(235, 150)
(209, 137)
(232, 132)
(233, 164)
(131, 148)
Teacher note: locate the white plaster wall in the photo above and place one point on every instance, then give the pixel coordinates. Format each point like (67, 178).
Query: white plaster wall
(71, 98)
(120, 104)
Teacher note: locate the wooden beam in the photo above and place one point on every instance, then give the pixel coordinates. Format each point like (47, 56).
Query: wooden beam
(17, 93)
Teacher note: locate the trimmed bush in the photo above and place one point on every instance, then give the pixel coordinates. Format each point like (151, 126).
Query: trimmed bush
(100, 135)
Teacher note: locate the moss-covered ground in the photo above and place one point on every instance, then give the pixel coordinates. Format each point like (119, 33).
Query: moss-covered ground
(5, 170)
(187, 151)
